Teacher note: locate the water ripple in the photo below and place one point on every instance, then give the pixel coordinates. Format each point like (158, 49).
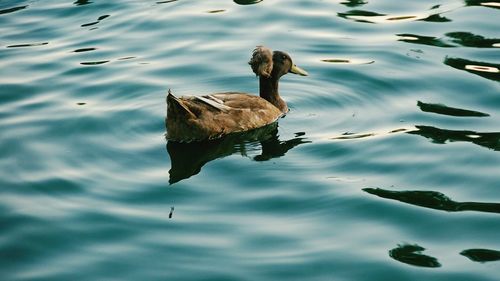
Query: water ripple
(86, 173)
(165, 2)
(484, 69)
(451, 111)
(454, 39)
(489, 140)
(434, 200)
(481, 255)
(485, 3)
(82, 2)
(95, 22)
(247, 2)
(411, 254)
(432, 15)
(28, 45)
(12, 10)
(84, 50)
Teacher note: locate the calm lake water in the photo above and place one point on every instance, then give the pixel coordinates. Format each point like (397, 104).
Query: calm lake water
(387, 166)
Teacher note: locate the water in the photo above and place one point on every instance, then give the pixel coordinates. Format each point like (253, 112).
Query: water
(386, 167)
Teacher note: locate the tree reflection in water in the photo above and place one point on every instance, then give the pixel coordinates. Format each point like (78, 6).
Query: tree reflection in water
(481, 255)
(433, 200)
(411, 254)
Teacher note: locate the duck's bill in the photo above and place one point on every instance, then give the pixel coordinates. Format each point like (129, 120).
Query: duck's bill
(297, 70)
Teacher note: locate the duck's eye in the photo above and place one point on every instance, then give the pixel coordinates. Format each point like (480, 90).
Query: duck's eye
(283, 57)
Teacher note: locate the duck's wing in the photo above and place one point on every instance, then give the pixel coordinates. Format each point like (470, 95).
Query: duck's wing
(225, 103)
(214, 102)
(243, 101)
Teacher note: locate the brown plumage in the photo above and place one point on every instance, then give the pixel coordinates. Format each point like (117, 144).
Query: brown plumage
(197, 118)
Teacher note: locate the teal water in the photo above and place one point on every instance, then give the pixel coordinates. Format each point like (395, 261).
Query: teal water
(385, 168)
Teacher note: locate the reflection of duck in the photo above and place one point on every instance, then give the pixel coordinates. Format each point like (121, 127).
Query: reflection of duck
(199, 118)
(187, 159)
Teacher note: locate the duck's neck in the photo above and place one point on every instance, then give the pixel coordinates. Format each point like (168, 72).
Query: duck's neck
(268, 88)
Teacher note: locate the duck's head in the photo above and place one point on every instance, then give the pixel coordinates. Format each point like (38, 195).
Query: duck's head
(275, 64)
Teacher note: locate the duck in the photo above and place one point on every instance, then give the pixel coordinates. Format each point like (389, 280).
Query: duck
(208, 117)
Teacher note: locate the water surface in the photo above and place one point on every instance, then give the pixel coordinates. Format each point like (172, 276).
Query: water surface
(385, 168)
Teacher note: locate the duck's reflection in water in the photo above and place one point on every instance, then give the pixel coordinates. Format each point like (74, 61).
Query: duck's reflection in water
(433, 200)
(187, 159)
(411, 254)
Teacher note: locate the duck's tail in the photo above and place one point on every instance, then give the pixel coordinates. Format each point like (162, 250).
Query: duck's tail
(175, 106)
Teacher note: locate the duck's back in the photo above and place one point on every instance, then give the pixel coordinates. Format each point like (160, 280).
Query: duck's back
(212, 116)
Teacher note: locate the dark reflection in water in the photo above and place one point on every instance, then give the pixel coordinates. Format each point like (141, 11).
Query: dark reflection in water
(28, 45)
(433, 200)
(352, 136)
(95, 22)
(187, 159)
(127, 58)
(468, 39)
(216, 11)
(84, 50)
(13, 9)
(423, 40)
(94, 62)
(451, 111)
(166, 1)
(354, 3)
(436, 18)
(481, 255)
(247, 2)
(465, 39)
(411, 254)
(441, 136)
(359, 15)
(432, 15)
(82, 2)
(171, 212)
(486, 70)
(486, 3)
(348, 61)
